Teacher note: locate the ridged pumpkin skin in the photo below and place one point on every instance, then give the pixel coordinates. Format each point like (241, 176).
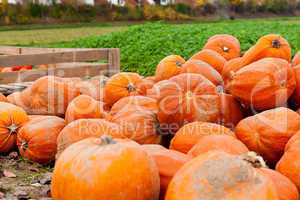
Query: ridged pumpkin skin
(211, 57)
(94, 87)
(268, 132)
(168, 67)
(296, 59)
(224, 143)
(230, 68)
(168, 163)
(3, 98)
(85, 128)
(286, 189)
(146, 84)
(185, 98)
(37, 139)
(84, 107)
(11, 119)
(135, 102)
(189, 135)
(226, 45)
(271, 45)
(102, 169)
(200, 67)
(218, 175)
(296, 95)
(264, 84)
(121, 85)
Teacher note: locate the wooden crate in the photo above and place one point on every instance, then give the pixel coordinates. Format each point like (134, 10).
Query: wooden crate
(63, 62)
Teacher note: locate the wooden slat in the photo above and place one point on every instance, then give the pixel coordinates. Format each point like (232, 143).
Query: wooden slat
(62, 71)
(113, 61)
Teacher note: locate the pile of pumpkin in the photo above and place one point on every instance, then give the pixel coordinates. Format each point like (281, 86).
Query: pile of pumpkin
(218, 126)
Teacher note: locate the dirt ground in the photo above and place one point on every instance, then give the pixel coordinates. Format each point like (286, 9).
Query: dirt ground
(22, 179)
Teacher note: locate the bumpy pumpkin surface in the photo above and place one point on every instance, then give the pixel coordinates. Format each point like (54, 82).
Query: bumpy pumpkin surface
(12, 118)
(296, 95)
(211, 57)
(226, 45)
(265, 84)
(101, 169)
(268, 132)
(168, 67)
(185, 98)
(85, 128)
(168, 163)
(224, 143)
(286, 189)
(187, 136)
(218, 175)
(3, 98)
(37, 139)
(200, 67)
(94, 87)
(121, 85)
(84, 107)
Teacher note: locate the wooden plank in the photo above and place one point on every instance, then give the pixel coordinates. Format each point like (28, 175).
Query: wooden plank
(113, 61)
(65, 71)
(51, 58)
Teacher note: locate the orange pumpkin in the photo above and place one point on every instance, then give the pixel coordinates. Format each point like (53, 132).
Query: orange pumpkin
(94, 87)
(211, 57)
(168, 163)
(286, 189)
(226, 45)
(218, 175)
(185, 98)
(135, 102)
(296, 59)
(11, 119)
(121, 85)
(84, 106)
(186, 137)
(224, 143)
(296, 96)
(264, 84)
(168, 67)
(111, 169)
(229, 70)
(85, 128)
(145, 85)
(36, 140)
(268, 132)
(200, 67)
(271, 45)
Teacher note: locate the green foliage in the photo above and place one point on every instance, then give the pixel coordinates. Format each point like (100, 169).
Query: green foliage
(143, 46)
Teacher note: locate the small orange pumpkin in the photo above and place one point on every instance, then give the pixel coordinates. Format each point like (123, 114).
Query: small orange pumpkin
(111, 169)
(187, 136)
(226, 45)
(168, 67)
(12, 118)
(36, 140)
(211, 57)
(146, 84)
(224, 143)
(121, 85)
(84, 106)
(230, 68)
(268, 132)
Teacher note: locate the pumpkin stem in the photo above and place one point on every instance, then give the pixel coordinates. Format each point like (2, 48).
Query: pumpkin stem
(283, 83)
(225, 49)
(220, 89)
(179, 64)
(13, 128)
(131, 87)
(107, 139)
(24, 145)
(276, 44)
(255, 160)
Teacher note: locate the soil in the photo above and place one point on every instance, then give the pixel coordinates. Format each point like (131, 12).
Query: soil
(22, 179)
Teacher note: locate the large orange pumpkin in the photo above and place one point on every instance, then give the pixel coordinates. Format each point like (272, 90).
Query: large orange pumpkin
(296, 59)
(268, 132)
(286, 189)
(185, 98)
(168, 67)
(168, 163)
(94, 87)
(224, 143)
(85, 128)
(3, 98)
(230, 68)
(211, 57)
(84, 106)
(11, 119)
(200, 67)
(102, 169)
(186, 137)
(37, 139)
(121, 85)
(226, 45)
(218, 175)
(264, 84)
(296, 96)
(271, 45)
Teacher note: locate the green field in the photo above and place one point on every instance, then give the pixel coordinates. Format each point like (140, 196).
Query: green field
(143, 46)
